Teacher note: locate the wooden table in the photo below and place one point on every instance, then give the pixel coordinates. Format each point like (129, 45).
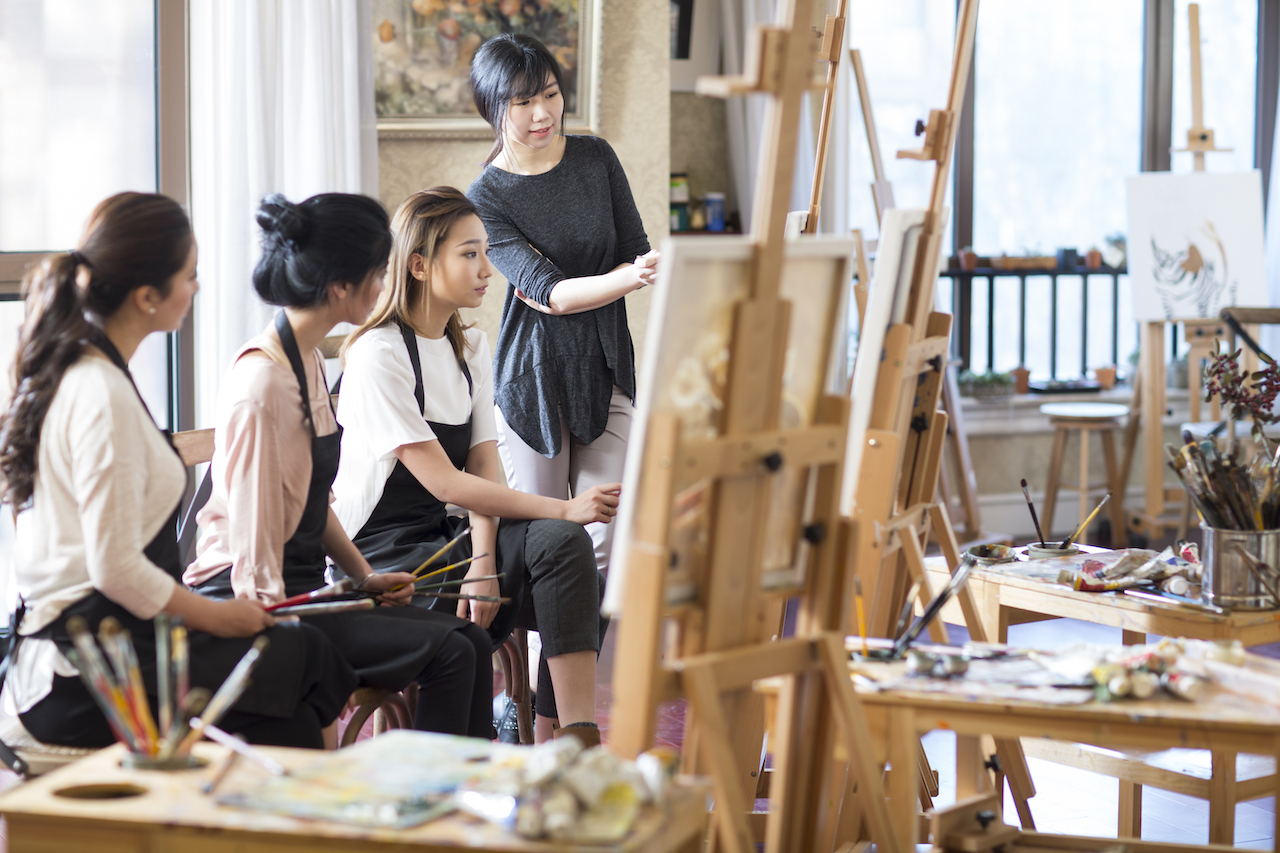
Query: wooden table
(173, 817)
(1225, 723)
(1004, 598)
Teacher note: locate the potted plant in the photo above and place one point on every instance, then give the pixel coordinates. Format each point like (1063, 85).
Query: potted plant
(989, 386)
(968, 259)
(1093, 258)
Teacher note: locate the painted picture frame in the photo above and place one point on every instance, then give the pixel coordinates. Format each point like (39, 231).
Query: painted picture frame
(685, 370)
(695, 42)
(1195, 244)
(422, 53)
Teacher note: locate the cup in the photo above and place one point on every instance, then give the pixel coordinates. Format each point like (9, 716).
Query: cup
(1106, 377)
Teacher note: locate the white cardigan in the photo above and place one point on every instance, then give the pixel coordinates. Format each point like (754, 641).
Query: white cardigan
(106, 481)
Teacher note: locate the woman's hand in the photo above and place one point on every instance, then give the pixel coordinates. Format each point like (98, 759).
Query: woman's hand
(598, 503)
(239, 617)
(646, 267)
(480, 612)
(386, 584)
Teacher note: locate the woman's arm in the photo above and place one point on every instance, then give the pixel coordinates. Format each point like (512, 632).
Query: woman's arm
(482, 492)
(575, 295)
(347, 557)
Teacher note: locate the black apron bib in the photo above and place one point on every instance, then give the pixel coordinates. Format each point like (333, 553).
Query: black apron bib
(276, 687)
(410, 524)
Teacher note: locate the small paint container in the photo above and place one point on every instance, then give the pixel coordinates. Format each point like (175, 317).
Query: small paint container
(1049, 550)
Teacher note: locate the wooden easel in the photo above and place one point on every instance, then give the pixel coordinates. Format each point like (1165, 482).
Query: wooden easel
(957, 444)
(896, 497)
(724, 636)
(1150, 400)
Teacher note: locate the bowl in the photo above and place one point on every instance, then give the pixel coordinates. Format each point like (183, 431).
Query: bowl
(986, 555)
(1049, 550)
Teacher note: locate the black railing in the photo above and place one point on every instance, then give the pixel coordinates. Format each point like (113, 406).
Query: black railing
(962, 284)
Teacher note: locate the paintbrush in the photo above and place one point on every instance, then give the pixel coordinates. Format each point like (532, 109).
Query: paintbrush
(139, 691)
(220, 771)
(862, 618)
(164, 673)
(1256, 566)
(192, 706)
(1066, 543)
(458, 582)
(906, 609)
(341, 587)
(230, 691)
(443, 548)
(110, 637)
(97, 690)
(1034, 519)
(439, 571)
(462, 596)
(217, 735)
(100, 673)
(181, 664)
(319, 607)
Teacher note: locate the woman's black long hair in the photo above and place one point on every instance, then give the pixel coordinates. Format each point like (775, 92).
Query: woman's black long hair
(131, 240)
(305, 247)
(506, 67)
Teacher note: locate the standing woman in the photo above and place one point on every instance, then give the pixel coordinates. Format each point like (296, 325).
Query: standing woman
(98, 485)
(268, 526)
(417, 410)
(564, 230)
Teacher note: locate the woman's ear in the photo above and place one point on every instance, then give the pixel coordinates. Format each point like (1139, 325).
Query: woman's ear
(146, 299)
(339, 290)
(418, 266)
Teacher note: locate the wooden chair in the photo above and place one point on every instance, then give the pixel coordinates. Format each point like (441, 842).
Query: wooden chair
(513, 657)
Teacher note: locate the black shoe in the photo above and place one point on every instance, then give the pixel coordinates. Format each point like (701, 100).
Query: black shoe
(508, 724)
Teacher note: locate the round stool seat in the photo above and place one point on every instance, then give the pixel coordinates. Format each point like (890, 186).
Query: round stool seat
(1085, 411)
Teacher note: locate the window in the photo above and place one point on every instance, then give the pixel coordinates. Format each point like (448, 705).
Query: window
(77, 114)
(906, 53)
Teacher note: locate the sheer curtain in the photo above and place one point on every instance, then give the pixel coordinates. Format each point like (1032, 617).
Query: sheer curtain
(745, 117)
(281, 101)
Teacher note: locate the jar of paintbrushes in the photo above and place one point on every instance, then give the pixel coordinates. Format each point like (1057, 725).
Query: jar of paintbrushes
(1239, 504)
(112, 673)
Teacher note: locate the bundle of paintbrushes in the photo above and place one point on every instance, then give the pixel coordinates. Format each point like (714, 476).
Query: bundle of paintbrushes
(112, 673)
(1227, 493)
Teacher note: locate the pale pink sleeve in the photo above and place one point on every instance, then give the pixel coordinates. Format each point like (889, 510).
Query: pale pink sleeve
(255, 524)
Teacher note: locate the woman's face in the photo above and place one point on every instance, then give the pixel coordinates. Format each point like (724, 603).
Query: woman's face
(183, 286)
(461, 270)
(532, 122)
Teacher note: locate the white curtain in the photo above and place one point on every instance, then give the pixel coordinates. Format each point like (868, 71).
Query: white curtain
(745, 117)
(1271, 334)
(281, 101)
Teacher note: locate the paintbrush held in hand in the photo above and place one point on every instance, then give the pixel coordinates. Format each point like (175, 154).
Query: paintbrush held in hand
(1228, 494)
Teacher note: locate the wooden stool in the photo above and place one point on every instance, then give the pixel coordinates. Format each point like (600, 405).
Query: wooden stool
(1103, 418)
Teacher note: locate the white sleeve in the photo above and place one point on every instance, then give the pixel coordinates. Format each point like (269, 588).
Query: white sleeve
(483, 426)
(377, 401)
(110, 479)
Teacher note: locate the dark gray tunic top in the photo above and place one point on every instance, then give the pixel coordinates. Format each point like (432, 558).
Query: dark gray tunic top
(578, 219)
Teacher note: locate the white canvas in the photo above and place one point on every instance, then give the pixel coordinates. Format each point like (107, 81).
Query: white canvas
(1195, 244)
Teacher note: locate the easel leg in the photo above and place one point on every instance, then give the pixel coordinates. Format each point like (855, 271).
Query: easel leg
(903, 778)
(915, 564)
(1051, 483)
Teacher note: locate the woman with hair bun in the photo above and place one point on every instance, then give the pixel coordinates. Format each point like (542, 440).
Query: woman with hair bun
(97, 487)
(268, 526)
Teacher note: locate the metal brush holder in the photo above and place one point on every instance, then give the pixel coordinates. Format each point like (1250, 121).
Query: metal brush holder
(1227, 580)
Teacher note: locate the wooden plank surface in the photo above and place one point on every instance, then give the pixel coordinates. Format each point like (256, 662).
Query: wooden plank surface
(172, 815)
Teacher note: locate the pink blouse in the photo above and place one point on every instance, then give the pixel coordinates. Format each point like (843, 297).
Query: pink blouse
(261, 468)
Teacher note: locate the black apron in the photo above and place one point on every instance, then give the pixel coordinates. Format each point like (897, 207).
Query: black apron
(409, 523)
(275, 690)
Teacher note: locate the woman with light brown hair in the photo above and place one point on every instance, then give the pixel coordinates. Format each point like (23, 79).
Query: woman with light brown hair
(419, 433)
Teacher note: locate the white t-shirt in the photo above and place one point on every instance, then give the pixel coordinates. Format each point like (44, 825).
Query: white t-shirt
(379, 414)
(106, 482)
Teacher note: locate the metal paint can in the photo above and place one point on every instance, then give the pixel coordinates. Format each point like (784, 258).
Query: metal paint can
(1227, 580)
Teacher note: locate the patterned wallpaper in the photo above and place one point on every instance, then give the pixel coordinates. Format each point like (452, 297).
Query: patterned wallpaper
(634, 117)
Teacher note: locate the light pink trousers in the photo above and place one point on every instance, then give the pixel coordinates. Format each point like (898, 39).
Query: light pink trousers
(575, 469)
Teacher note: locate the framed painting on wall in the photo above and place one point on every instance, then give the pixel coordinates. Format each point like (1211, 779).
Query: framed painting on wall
(422, 53)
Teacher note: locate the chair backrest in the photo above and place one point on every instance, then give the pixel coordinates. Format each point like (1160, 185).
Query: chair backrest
(195, 446)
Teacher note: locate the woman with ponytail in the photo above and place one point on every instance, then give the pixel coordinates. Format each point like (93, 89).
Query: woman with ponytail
(419, 433)
(268, 526)
(96, 487)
